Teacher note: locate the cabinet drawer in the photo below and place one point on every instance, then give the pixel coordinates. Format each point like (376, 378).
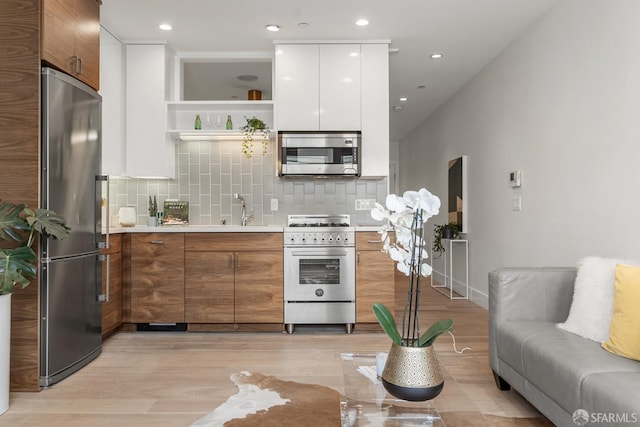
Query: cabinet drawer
(233, 241)
(368, 241)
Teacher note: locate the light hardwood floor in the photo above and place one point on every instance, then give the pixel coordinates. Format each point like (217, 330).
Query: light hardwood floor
(173, 379)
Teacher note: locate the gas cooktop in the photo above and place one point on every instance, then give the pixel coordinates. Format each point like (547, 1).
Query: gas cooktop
(318, 221)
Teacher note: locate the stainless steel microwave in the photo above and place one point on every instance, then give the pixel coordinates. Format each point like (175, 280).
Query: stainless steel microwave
(319, 153)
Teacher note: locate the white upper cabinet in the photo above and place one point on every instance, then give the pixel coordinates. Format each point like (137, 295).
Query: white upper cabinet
(297, 87)
(337, 87)
(375, 110)
(112, 91)
(340, 87)
(149, 152)
(318, 87)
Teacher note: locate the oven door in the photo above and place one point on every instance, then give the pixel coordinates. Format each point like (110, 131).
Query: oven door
(319, 274)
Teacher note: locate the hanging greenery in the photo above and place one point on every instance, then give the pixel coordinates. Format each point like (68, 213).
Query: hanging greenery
(254, 125)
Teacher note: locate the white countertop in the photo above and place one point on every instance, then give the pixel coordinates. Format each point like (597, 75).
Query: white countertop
(213, 229)
(198, 229)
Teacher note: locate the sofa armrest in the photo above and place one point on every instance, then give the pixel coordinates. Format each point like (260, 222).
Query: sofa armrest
(539, 293)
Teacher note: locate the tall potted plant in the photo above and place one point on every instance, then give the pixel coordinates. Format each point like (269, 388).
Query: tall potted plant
(20, 226)
(412, 371)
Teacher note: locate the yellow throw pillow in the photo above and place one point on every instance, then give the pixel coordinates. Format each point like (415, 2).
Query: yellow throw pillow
(624, 329)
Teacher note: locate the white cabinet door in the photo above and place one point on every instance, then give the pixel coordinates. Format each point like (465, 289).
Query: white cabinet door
(375, 110)
(112, 91)
(149, 153)
(297, 87)
(340, 87)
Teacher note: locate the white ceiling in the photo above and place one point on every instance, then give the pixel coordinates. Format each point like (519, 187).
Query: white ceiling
(468, 32)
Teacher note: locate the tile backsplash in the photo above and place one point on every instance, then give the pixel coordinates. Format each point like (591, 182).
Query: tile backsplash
(210, 173)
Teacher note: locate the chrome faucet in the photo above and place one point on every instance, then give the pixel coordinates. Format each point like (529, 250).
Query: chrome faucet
(245, 218)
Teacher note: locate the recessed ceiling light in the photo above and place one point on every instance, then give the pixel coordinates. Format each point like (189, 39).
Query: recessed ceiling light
(436, 56)
(165, 27)
(272, 27)
(403, 99)
(397, 107)
(362, 22)
(354, 54)
(303, 24)
(422, 86)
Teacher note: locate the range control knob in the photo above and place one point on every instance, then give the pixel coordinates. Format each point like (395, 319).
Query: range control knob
(319, 292)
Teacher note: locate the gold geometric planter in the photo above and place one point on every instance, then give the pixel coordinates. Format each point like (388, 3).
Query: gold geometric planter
(412, 373)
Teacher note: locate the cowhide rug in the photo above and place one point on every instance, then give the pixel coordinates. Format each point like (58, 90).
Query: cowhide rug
(265, 401)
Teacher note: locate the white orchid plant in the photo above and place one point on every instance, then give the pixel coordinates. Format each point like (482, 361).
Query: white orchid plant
(405, 217)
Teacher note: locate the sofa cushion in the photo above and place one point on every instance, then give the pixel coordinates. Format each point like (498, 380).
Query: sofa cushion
(613, 393)
(592, 304)
(624, 329)
(555, 361)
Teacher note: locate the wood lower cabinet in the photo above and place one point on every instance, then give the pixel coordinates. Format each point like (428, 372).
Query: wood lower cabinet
(374, 277)
(71, 38)
(112, 309)
(242, 284)
(209, 292)
(157, 277)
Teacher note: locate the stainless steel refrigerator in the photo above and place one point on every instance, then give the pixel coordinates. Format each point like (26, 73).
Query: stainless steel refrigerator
(71, 185)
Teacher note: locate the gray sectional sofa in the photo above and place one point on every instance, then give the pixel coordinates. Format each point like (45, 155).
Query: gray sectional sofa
(558, 372)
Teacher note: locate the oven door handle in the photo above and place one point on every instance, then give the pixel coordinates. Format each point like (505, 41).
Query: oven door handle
(323, 253)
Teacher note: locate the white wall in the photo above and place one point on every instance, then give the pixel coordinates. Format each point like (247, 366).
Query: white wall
(563, 105)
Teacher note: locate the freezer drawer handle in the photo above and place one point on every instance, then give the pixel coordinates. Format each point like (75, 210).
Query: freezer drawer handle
(157, 242)
(105, 297)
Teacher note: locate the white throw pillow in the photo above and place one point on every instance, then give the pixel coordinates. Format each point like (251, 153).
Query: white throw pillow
(592, 305)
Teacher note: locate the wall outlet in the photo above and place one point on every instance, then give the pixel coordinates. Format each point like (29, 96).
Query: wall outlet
(274, 204)
(365, 204)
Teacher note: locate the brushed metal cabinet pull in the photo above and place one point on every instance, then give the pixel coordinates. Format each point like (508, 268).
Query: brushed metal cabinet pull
(157, 242)
(358, 259)
(105, 258)
(237, 262)
(375, 241)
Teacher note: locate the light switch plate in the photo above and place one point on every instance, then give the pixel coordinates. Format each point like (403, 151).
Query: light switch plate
(365, 204)
(516, 204)
(274, 204)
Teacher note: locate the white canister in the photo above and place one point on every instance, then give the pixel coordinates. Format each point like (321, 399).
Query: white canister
(127, 216)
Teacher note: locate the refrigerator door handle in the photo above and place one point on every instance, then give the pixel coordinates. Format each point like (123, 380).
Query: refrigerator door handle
(105, 244)
(105, 297)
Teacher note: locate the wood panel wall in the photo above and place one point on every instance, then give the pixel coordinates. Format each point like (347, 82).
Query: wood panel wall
(19, 162)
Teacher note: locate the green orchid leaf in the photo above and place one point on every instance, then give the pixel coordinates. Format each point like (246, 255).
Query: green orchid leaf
(16, 266)
(388, 323)
(434, 332)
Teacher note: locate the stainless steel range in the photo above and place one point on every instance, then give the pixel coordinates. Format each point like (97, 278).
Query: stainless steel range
(319, 271)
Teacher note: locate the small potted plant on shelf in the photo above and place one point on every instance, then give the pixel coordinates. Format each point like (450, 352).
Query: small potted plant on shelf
(443, 231)
(254, 125)
(405, 217)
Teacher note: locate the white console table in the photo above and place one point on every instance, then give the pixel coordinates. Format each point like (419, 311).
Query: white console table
(448, 269)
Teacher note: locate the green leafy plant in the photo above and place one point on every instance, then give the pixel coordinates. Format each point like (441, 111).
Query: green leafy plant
(405, 217)
(254, 125)
(443, 231)
(20, 225)
(153, 206)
